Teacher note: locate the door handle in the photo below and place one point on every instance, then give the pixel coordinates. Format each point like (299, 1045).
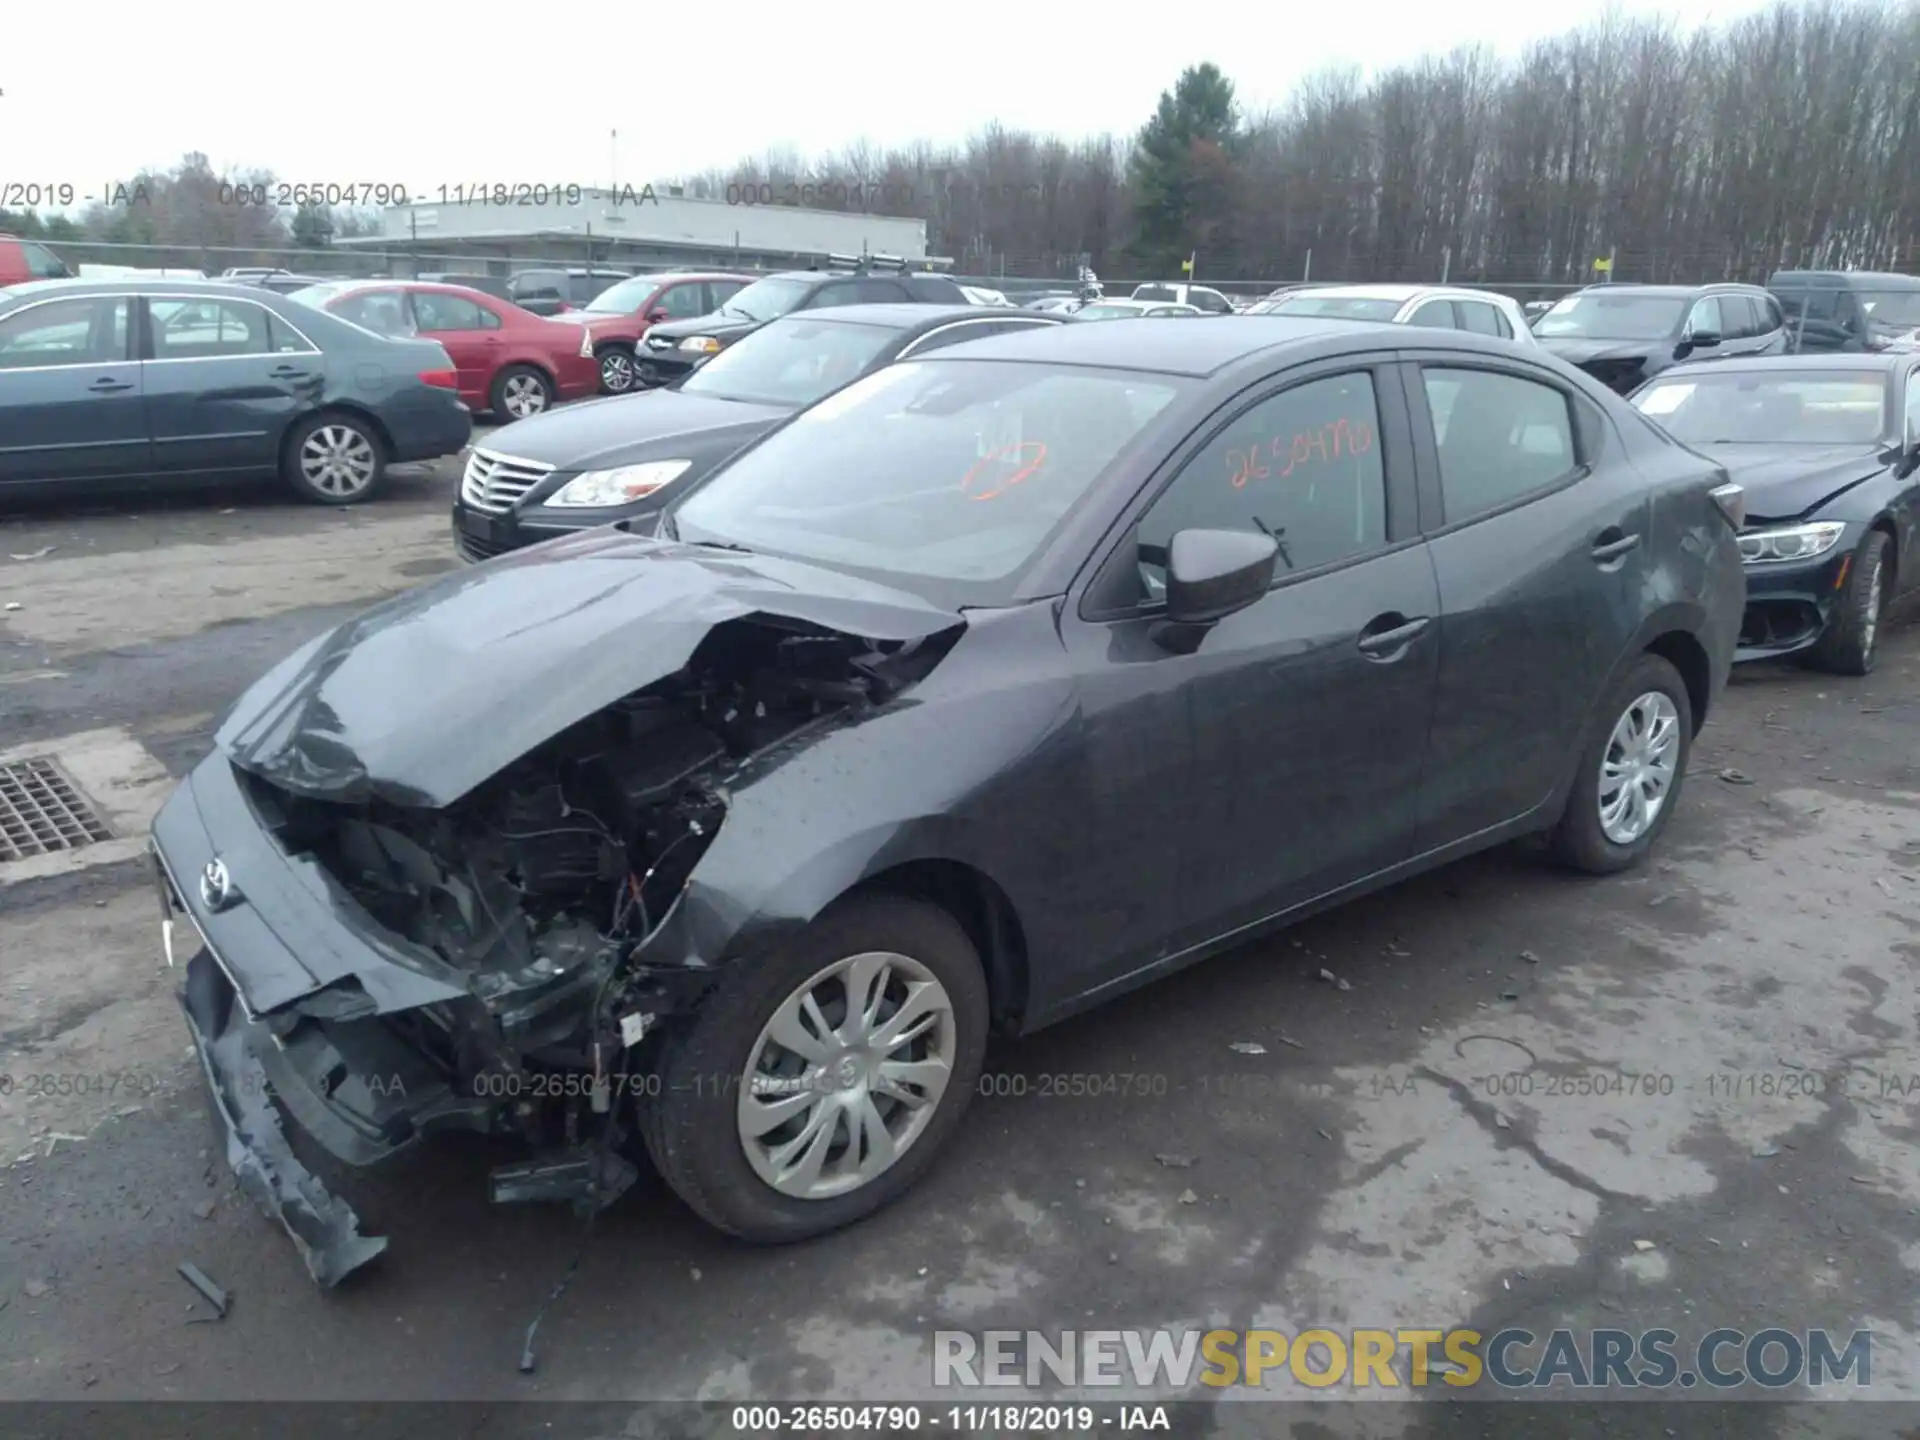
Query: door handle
(1611, 545)
(288, 372)
(106, 385)
(1387, 635)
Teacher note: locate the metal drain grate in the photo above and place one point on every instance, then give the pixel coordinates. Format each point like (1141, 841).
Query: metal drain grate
(42, 811)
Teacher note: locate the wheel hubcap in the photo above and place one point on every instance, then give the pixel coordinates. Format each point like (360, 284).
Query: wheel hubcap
(847, 1075)
(1637, 770)
(525, 396)
(338, 460)
(616, 372)
(1870, 622)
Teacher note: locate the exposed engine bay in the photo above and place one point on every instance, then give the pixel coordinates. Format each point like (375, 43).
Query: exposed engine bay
(573, 854)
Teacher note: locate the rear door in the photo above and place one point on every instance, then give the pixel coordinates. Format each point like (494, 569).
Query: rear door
(70, 400)
(1539, 545)
(223, 379)
(468, 333)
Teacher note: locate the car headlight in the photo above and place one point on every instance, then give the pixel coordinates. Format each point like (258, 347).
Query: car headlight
(621, 485)
(705, 344)
(1790, 542)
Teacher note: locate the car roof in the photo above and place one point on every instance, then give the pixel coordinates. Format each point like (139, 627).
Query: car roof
(1847, 277)
(899, 315)
(1889, 361)
(674, 277)
(1369, 292)
(1712, 287)
(128, 285)
(1201, 350)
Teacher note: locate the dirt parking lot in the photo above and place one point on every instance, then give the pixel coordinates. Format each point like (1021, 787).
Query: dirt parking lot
(1684, 1097)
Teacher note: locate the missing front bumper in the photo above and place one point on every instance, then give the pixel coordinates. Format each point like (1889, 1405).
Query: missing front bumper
(323, 1227)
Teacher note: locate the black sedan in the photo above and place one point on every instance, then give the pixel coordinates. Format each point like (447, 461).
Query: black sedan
(991, 686)
(1827, 448)
(674, 348)
(161, 380)
(613, 459)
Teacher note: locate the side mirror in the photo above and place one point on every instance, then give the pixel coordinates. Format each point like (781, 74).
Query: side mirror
(1698, 340)
(1211, 574)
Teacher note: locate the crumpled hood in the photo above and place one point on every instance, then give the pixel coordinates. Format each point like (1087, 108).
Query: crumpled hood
(425, 696)
(721, 327)
(1784, 482)
(622, 429)
(1579, 352)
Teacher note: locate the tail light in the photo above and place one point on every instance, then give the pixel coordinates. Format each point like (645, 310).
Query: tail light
(440, 379)
(1732, 500)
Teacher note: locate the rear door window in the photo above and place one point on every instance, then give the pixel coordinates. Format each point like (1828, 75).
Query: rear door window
(1482, 318)
(434, 311)
(1436, 314)
(1500, 437)
(208, 329)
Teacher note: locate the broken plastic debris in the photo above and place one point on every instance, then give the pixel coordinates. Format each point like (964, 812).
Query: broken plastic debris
(33, 554)
(1529, 957)
(1176, 1162)
(1334, 980)
(633, 1028)
(1187, 1197)
(1289, 1040)
(1248, 1047)
(13, 604)
(1643, 1245)
(1736, 777)
(35, 1289)
(196, 1277)
(204, 1209)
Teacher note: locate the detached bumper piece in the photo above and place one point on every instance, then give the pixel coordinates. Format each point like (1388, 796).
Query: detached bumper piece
(323, 1227)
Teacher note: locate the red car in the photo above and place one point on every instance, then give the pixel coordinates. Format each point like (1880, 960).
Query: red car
(23, 260)
(618, 317)
(508, 360)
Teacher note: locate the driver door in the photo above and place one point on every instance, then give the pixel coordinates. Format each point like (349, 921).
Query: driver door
(1282, 760)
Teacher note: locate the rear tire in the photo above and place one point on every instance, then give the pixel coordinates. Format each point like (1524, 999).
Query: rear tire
(617, 373)
(696, 1128)
(1640, 738)
(334, 459)
(1850, 645)
(519, 393)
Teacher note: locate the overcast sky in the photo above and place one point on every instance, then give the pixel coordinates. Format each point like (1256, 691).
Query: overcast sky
(420, 95)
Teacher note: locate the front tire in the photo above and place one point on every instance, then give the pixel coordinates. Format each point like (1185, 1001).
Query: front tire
(519, 393)
(334, 459)
(819, 1083)
(617, 373)
(1851, 642)
(1631, 769)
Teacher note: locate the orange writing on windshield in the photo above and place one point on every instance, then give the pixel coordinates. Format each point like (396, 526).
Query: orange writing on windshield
(1004, 467)
(1281, 455)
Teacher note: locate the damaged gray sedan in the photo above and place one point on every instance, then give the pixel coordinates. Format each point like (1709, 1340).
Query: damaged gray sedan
(992, 686)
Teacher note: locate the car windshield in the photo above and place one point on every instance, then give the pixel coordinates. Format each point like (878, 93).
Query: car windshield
(791, 362)
(767, 299)
(1899, 307)
(1155, 292)
(626, 298)
(944, 477)
(1768, 408)
(1596, 315)
(1110, 311)
(316, 295)
(1338, 307)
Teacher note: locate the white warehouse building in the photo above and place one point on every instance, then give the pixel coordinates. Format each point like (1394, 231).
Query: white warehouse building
(628, 226)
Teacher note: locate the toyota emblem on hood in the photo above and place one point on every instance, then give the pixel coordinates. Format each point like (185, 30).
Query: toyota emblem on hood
(216, 886)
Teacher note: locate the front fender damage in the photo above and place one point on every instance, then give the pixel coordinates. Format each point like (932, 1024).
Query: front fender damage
(559, 890)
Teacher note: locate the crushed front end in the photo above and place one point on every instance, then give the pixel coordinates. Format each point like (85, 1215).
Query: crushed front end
(378, 972)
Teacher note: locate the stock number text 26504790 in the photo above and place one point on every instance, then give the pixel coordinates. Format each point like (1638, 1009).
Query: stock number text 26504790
(1279, 456)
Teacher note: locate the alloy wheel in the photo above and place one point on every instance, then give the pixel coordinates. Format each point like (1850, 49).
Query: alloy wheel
(1638, 767)
(616, 372)
(846, 1075)
(338, 460)
(523, 395)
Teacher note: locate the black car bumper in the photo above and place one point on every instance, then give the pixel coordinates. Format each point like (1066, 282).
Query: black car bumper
(442, 425)
(662, 367)
(1788, 605)
(480, 534)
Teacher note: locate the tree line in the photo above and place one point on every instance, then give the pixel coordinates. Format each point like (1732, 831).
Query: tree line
(1786, 138)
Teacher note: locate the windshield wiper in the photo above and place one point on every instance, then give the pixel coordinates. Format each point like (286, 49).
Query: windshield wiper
(743, 314)
(722, 545)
